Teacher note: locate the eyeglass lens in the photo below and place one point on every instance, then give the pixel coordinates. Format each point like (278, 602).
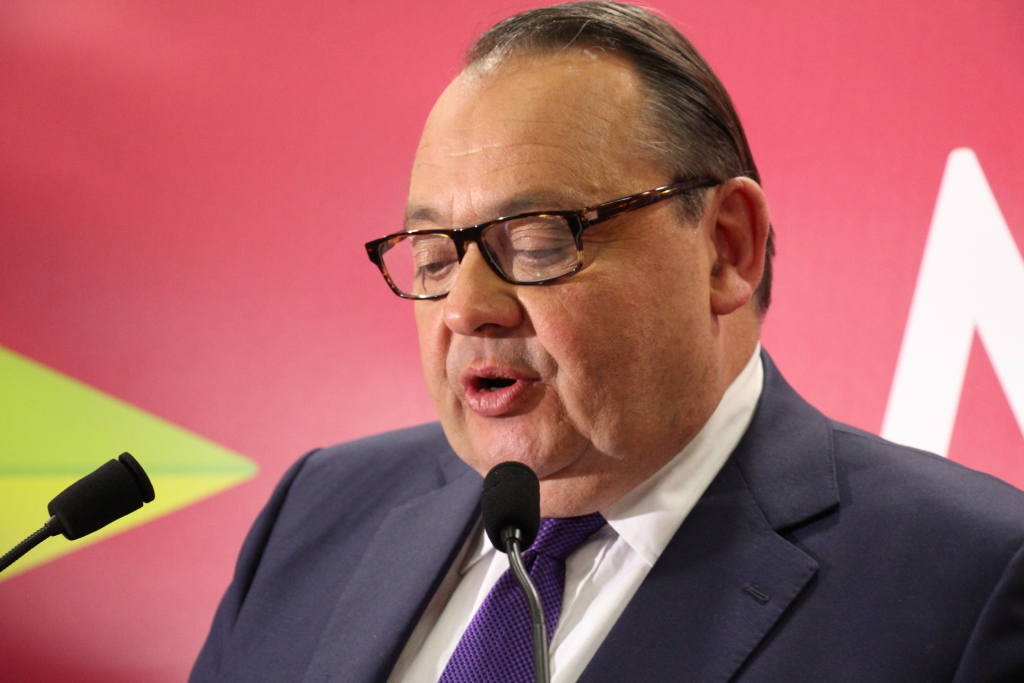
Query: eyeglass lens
(525, 250)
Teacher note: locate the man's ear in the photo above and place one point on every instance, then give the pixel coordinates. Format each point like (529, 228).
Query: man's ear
(737, 218)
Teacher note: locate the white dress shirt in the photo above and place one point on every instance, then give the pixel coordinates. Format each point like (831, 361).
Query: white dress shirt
(604, 573)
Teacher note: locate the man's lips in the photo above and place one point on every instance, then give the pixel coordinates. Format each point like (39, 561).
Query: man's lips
(494, 391)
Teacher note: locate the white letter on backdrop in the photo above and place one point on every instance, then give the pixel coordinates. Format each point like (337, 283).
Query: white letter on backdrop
(972, 277)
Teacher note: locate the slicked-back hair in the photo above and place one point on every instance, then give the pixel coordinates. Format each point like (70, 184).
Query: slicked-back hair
(693, 126)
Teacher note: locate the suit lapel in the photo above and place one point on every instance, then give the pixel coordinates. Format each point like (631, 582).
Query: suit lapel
(728, 575)
(720, 585)
(401, 569)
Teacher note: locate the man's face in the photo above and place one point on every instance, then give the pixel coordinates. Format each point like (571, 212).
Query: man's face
(594, 381)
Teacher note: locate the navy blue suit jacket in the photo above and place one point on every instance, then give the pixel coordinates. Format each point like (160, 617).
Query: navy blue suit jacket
(820, 553)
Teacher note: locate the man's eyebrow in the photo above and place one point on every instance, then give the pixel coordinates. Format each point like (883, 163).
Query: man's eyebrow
(417, 214)
(540, 201)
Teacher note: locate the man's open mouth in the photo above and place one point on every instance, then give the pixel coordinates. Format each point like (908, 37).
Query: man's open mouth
(492, 392)
(494, 383)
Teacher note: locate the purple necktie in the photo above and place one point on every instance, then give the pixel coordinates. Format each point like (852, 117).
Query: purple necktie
(497, 646)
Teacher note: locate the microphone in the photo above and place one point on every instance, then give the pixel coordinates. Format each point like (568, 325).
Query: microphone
(511, 512)
(115, 489)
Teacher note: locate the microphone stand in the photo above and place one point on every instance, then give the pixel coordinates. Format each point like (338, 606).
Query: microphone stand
(510, 537)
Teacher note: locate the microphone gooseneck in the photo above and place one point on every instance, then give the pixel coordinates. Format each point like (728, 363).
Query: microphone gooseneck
(115, 489)
(51, 528)
(511, 510)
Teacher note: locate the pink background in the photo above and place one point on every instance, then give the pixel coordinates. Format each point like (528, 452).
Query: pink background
(185, 188)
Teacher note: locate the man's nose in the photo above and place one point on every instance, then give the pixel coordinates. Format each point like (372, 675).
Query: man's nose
(480, 302)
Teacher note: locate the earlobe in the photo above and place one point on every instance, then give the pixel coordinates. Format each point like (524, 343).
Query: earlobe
(738, 217)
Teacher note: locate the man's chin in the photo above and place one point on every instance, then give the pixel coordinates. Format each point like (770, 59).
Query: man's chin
(484, 453)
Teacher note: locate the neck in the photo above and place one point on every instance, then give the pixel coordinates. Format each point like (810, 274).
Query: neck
(740, 333)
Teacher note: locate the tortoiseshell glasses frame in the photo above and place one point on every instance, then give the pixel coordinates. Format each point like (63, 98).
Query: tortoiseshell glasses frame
(559, 232)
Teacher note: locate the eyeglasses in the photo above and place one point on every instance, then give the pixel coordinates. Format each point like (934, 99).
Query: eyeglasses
(526, 249)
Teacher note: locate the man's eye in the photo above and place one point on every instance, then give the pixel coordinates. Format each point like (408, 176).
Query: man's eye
(541, 238)
(542, 245)
(541, 256)
(433, 261)
(434, 270)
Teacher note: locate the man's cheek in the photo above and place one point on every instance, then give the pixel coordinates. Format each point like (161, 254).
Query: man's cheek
(433, 345)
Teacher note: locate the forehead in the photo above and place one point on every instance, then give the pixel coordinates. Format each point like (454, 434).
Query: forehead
(543, 131)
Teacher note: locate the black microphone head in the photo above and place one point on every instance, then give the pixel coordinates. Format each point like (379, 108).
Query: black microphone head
(97, 499)
(511, 497)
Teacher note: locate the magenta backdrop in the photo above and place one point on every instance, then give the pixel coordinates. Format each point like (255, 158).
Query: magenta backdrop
(185, 189)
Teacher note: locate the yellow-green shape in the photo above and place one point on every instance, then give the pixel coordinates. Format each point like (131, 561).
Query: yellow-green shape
(55, 429)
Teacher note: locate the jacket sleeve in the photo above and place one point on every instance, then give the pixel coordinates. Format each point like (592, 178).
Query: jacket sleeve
(210, 657)
(995, 651)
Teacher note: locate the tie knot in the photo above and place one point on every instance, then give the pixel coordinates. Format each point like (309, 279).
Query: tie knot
(559, 537)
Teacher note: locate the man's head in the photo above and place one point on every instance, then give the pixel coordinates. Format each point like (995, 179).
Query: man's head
(595, 380)
(691, 123)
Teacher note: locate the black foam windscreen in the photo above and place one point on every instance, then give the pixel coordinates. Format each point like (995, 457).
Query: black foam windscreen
(511, 497)
(97, 499)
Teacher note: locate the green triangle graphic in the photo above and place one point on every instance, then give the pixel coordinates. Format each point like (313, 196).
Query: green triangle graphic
(54, 429)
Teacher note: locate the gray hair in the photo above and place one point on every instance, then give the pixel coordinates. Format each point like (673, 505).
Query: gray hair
(695, 128)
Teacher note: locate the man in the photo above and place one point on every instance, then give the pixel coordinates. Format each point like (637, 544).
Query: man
(606, 335)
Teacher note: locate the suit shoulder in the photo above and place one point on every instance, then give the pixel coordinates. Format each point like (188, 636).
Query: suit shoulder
(402, 447)
(401, 463)
(950, 495)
